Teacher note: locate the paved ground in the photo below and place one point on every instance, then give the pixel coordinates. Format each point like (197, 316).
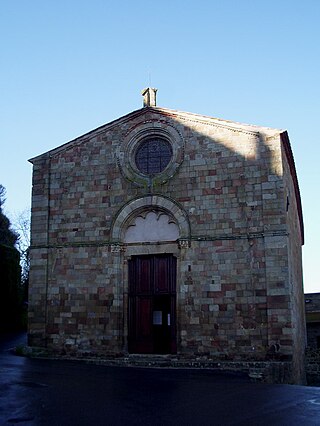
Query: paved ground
(47, 392)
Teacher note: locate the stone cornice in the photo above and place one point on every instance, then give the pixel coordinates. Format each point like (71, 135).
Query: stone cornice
(207, 238)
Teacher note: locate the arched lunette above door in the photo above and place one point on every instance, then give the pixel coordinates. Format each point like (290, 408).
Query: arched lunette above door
(151, 226)
(140, 207)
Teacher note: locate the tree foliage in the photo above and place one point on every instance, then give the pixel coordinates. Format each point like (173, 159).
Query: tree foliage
(7, 236)
(13, 290)
(10, 289)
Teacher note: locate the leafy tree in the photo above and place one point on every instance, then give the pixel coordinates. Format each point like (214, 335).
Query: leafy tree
(10, 273)
(7, 235)
(10, 289)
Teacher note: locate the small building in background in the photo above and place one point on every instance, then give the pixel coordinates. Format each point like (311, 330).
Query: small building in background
(312, 301)
(166, 232)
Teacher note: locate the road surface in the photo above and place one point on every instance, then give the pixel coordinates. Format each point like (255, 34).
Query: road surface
(66, 393)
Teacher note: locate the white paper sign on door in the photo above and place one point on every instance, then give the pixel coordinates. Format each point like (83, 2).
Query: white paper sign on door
(157, 317)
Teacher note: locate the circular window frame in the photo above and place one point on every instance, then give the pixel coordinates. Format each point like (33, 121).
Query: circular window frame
(127, 151)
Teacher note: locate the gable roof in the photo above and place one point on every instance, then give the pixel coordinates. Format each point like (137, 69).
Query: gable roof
(188, 116)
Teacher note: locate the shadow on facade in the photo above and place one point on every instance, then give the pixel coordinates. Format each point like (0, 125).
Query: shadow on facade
(231, 192)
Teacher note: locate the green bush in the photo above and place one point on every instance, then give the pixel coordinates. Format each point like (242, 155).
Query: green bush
(11, 291)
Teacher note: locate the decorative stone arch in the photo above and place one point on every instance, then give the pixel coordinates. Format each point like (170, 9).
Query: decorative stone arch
(147, 203)
(131, 142)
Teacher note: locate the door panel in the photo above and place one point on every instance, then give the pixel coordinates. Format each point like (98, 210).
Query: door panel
(162, 329)
(161, 275)
(143, 324)
(144, 277)
(152, 304)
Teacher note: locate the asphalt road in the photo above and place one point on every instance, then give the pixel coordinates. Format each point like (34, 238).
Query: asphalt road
(48, 392)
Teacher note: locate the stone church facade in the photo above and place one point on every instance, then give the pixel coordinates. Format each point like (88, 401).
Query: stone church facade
(165, 232)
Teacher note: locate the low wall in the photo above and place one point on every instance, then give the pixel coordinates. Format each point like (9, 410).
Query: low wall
(313, 366)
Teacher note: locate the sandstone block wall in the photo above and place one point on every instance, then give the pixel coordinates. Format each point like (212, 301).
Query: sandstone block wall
(239, 268)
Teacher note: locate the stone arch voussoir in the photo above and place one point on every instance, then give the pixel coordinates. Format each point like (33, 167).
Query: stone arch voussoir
(149, 202)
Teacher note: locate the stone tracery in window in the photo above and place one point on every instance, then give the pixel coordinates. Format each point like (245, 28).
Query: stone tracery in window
(150, 154)
(153, 155)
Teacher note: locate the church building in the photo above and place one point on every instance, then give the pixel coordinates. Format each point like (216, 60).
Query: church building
(166, 233)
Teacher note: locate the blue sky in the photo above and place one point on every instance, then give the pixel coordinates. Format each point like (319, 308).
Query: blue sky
(70, 66)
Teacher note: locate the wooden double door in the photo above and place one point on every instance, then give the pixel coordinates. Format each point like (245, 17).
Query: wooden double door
(152, 304)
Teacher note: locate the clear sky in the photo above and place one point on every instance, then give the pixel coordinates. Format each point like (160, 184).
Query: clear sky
(69, 66)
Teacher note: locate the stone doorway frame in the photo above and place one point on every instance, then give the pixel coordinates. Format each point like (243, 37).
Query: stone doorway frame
(125, 251)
